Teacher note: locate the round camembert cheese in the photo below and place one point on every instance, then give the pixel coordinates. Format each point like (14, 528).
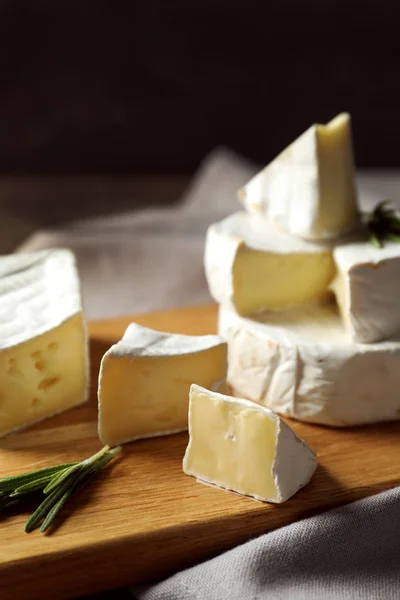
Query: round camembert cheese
(300, 364)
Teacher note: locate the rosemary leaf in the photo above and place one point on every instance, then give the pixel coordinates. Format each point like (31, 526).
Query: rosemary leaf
(45, 506)
(53, 512)
(7, 501)
(393, 237)
(376, 241)
(60, 477)
(384, 224)
(11, 503)
(83, 478)
(11, 483)
(33, 486)
(4, 500)
(381, 207)
(393, 224)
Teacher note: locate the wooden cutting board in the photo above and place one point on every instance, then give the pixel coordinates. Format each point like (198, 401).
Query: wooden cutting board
(143, 518)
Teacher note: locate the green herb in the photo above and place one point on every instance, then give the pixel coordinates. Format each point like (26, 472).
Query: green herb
(57, 484)
(383, 224)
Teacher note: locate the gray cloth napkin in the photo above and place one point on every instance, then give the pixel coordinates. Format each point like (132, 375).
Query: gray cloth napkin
(153, 259)
(349, 553)
(150, 259)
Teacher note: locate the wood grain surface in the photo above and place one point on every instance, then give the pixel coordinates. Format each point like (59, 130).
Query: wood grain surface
(143, 518)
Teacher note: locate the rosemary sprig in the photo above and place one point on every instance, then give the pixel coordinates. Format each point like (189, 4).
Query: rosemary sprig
(83, 478)
(57, 483)
(383, 224)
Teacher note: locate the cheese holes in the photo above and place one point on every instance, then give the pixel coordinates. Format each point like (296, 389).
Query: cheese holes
(40, 365)
(11, 366)
(48, 383)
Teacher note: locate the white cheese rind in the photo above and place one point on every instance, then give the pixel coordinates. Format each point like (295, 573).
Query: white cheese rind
(236, 237)
(144, 382)
(301, 365)
(143, 341)
(367, 289)
(309, 189)
(291, 465)
(44, 361)
(38, 292)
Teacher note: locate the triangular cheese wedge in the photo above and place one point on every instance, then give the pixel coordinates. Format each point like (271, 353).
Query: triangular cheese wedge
(309, 189)
(367, 288)
(145, 379)
(242, 446)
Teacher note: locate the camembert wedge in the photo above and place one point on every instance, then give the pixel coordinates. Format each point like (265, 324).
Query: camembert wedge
(300, 364)
(244, 447)
(251, 267)
(43, 343)
(367, 289)
(309, 190)
(145, 379)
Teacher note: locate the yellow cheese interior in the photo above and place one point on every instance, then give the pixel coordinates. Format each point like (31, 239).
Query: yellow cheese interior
(145, 396)
(232, 446)
(340, 288)
(272, 281)
(43, 376)
(338, 199)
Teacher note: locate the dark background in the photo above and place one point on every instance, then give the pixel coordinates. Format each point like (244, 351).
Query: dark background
(152, 86)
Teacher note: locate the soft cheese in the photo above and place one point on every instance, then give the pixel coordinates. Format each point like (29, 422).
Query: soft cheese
(43, 345)
(242, 446)
(300, 364)
(145, 379)
(367, 289)
(251, 266)
(309, 189)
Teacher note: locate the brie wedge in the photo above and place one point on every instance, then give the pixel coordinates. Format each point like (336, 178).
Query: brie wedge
(244, 447)
(309, 189)
(300, 364)
(144, 382)
(250, 266)
(367, 289)
(43, 343)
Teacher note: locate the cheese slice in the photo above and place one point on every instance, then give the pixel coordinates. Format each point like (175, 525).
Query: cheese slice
(145, 379)
(242, 446)
(250, 266)
(43, 342)
(309, 189)
(300, 364)
(367, 289)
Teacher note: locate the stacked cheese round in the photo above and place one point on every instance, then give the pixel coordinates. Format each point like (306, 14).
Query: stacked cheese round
(309, 310)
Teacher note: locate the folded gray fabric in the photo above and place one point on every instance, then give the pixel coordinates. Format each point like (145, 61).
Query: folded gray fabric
(349, 553)
(153, 259)
(150, 259)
